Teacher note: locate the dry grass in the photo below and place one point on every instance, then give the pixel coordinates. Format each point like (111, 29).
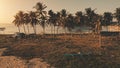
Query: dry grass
(53, 50)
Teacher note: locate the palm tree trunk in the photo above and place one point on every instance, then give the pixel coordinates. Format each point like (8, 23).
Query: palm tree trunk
(28, 29)
(34, 29)
(54, 30)
(119, 28)
(51, 29)
(24, 28)
(65, 31)
(18, 29)
(43, 30)
(57, 29)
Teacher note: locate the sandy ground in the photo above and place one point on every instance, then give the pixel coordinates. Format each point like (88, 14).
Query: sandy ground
(104, 54)
(15, 62)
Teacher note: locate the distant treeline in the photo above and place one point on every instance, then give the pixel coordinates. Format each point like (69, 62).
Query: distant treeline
(64, 19)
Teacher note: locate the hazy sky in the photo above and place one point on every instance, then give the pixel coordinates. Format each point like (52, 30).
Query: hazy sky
(8, 8)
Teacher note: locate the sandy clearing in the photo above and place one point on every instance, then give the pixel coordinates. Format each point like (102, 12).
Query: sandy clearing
(15, 62)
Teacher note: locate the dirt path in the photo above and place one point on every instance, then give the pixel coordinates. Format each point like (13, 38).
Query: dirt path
(15, 62)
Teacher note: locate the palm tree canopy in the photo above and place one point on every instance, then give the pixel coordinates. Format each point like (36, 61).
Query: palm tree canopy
(19, 18)
(63, 13)
(70, 22)
(52, 17)
(40, 6)
(117, 15)
(107, 18)
(16, 20)
(79, 18)
(26, 18)
(33, 18)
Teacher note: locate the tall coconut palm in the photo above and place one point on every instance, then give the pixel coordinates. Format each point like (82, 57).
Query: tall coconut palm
(42, 14)
(17, 22)
(33, 20)
(27, 20)
(21, 19)
(50, 13)
(93, 19)
(89, 18)
(70, 22)
(117, 15)
(107, 19)
(58, 20)
(63, 18)
(79, 18)
(52, 19)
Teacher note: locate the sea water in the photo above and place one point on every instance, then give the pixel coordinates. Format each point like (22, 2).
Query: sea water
(10, 28)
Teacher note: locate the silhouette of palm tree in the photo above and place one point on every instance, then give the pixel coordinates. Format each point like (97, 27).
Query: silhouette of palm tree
(63, 18)
(58, 21)
(41, 14)
(92, 18)
(117, 15)
(52, 19)
(17, 22)
(33, 20)
(79, 18)
(107, 19)
(21, 19)
(70, 22)
(27, 20)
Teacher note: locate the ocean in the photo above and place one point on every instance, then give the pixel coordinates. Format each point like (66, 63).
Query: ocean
(10, 28)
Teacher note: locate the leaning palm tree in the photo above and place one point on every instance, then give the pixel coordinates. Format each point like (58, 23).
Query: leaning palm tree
(16, 22)
(21, 19)
(79, 17)
(58, 20)
(27, 20)
(52, 20)
(33, 20)
(117, 15)
(107, 17)
(93, 19)
(63, 18)
(41, 14)
(70, 22)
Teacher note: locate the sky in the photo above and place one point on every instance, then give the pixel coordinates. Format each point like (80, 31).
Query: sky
(8, 8)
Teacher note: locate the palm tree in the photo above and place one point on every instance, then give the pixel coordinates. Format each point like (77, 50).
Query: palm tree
(89, 18)
(33, 20)
(21, 19)
(58, 20)
(93, 19)
(16, 22)
(42, 14)
(79, 18)
(117, 15)
(52, 19)
(107, 19)
(63, 18)
(27, 20)
(70, 22)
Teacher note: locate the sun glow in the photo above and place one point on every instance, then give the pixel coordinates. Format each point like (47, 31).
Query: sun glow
(4, 11)
(8, 8)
